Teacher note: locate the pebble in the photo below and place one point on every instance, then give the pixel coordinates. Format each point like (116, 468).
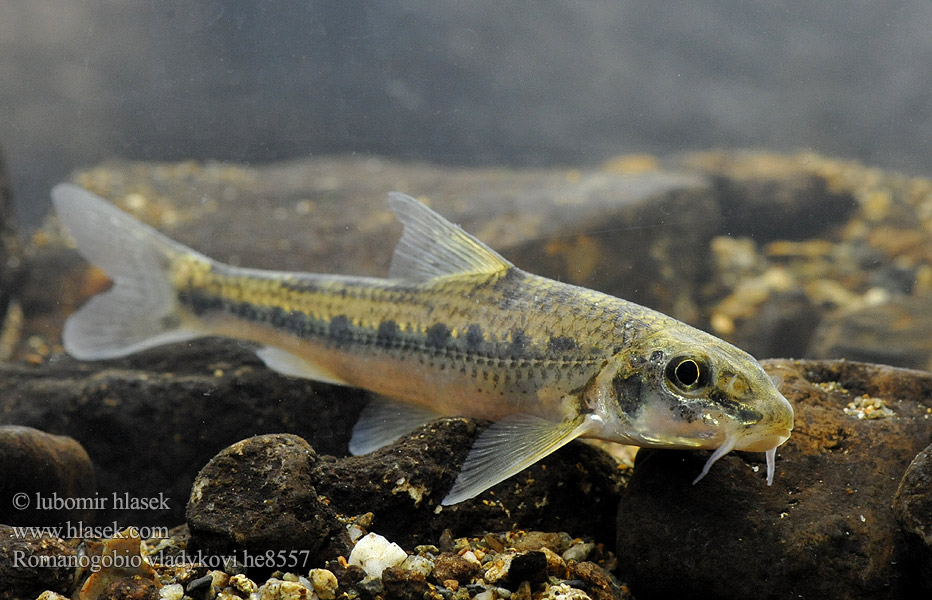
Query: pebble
(579, 551)
(277, 589)
(174, 591)
(374, 554)
(324, 582)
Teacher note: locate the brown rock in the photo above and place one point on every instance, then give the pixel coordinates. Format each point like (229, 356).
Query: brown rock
(913, 509)
(898, 332)
(574, 489)
(600, 584)
(258, 496)
(29, 565)
(131, 588)
(151, 421)
(38, 467)
(402, 584)
(826, 528)
(448, 566)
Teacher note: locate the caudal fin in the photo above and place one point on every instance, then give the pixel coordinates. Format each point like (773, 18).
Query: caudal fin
(140, 310)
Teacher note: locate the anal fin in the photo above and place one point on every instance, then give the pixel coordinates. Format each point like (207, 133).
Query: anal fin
(508, 447)
(385, 420)
(286, 363)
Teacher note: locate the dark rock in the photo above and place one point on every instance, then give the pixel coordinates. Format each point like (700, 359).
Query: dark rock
(789, 204)
(258, 495)
(898, 332)
(573, 490)
(29, 565)
(41, 468)
(348, 576)
(600, 583)
(528, 566)
(11, 268)
(151, 421)
(402, 584)
(826, 528)
(913, 509)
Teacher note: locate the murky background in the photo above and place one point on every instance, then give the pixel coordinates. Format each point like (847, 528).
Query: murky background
(479, 82)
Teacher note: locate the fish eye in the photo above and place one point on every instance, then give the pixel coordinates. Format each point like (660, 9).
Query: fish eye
(687, 373)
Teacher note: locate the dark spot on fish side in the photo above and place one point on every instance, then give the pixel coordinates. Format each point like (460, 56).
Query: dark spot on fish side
(340, 330)
(656, 356)
(561, 343)
(519, 343)
(387, 334)
(437, 336)
(473, 338)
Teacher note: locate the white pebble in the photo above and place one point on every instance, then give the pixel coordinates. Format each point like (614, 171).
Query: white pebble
(174, 591)
(374, 554)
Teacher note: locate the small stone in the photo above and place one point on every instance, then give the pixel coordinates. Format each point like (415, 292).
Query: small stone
(499, 568)
(374, 554)
(128, 588)
(527, 566)
(402, 584)
(174, 591)
(243, 584)
(418, 564)
(324, 582)
(578, 551)
(276, 589)
(535, 540)
(450, 566)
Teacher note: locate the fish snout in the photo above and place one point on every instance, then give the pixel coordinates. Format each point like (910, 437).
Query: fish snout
(771, 431)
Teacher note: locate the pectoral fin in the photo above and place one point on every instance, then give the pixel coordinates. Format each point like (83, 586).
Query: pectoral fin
(385, 420)
(507, 447)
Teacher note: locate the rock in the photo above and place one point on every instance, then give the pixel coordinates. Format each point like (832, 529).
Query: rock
(171, 410)
(49, 479)
(11, 268)
(402, 584)
(826, 528)
(29, 565)
(258, 496)
(452, 567)
(897, 332)
(912, 506)
(768, 196)
(574, 490)
(131, 588)
(528, 566)
(374, 554)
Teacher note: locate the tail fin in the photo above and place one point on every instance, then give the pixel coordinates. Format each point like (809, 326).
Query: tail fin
(140, 310)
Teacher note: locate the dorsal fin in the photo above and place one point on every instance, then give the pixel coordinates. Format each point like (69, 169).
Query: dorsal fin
(433, 247)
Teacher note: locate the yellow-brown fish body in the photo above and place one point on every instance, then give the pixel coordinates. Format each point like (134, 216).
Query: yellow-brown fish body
(455, 330)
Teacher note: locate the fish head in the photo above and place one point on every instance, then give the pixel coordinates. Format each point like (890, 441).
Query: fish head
(692, 391)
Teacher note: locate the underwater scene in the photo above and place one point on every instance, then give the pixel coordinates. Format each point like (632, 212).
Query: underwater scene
(465, 300)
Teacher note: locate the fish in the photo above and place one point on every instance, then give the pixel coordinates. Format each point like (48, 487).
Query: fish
(455, 330)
